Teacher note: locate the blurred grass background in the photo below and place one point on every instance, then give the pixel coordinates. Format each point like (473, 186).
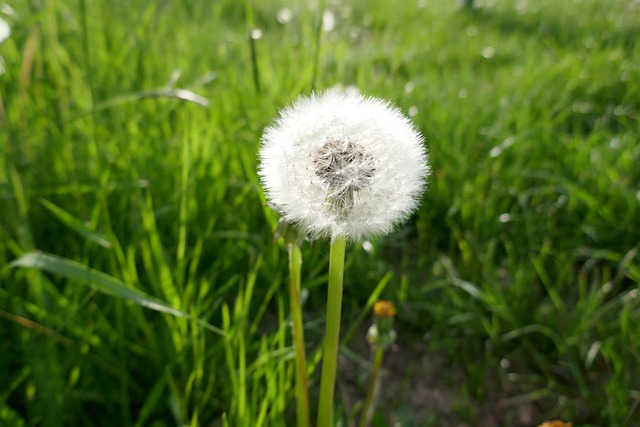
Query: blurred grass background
(129, 132)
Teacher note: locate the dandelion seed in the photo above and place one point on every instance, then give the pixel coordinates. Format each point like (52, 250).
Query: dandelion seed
(342, 164)
(5, 30)
(488, 52)
(284, 16)
(504, 218)
(328, 21)
(256, 34)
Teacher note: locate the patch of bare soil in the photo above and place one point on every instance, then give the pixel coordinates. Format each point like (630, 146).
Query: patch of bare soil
(420, 387)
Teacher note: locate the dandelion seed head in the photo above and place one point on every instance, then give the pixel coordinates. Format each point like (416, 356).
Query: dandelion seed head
(328, 21)
(339, 163)
(284, 15)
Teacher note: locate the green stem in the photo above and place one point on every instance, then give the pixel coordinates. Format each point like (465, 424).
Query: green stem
(364, 418)
(332, 334)
(302, 394)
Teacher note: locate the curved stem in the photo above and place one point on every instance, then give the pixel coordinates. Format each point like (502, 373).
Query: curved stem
(332, 334)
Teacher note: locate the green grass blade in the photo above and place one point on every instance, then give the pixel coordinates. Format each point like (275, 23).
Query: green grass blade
(76, 224)
(102, 282)
(152, 400)
(366, 310)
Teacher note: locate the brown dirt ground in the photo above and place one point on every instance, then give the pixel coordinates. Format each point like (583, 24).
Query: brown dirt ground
(419, 387)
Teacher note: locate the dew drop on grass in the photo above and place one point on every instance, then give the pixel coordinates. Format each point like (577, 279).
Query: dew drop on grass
(413, 111)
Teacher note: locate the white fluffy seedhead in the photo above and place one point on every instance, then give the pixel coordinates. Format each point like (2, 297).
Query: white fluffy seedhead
(343, 164)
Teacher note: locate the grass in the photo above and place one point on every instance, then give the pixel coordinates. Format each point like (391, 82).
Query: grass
(128, 150)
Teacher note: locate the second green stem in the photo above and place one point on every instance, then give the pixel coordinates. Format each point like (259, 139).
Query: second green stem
(368, 403)
(332, 335)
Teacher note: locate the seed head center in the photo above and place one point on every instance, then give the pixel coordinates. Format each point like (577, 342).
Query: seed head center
(346, 169)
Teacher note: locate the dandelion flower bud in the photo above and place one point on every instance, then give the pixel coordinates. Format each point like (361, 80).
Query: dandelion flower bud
(384, 309)
(382, 332)
(342, 164)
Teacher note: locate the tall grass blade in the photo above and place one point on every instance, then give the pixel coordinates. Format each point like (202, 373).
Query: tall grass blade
(100, 281)
(76, 224)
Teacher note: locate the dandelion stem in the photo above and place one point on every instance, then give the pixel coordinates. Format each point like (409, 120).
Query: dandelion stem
(368, 403)
(302, 394)
(332, 334)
